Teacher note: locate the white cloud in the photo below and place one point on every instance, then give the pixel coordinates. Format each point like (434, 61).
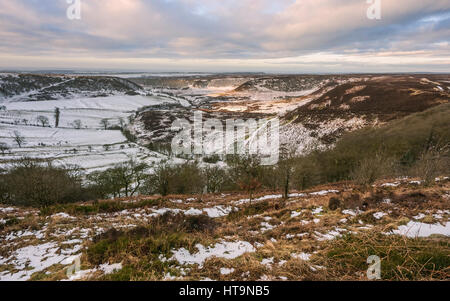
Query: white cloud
(255, 34)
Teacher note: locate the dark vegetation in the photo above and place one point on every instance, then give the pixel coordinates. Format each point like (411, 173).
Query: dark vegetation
(30, 183)
(97, 207)
(122, 180)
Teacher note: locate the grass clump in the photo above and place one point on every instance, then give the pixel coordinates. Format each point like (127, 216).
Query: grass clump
(401, 258)
(142, 249)
(250, 210)
(97, 207)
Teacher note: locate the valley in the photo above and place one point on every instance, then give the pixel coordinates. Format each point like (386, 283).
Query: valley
(362, 170)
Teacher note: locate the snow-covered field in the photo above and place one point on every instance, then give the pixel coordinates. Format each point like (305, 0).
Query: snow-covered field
(80, 138)
(88, 110)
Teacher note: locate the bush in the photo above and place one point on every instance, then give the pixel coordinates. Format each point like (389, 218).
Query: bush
(368, 170)
(334, 203)
(246, 171)
(216, 179)
(161, 147)
(431, 164)
(124, 179)
(178, 179)
(29, 183)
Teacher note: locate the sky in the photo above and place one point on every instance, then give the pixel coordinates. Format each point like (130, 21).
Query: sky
(281, 36)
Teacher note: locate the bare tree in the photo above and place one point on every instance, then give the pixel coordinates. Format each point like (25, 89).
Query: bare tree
(215, 177)
(43, 120)
(433, 162)
(123, 179)
(18, 138)
(104, 123)
(246, 171)
(3, 148)
(160, 180)
(122, 123)
(131, 175)
(77, 124)
(57, 115)
(285, 169)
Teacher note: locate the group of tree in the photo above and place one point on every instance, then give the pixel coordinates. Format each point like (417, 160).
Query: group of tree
(40, 184)
(123, 180)
(130, 178)
(18, 138)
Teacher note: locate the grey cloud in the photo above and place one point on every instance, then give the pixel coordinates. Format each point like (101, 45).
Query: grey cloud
(218, 29)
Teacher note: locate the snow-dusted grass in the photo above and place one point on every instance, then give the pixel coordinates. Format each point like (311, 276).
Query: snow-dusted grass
(106, 269)
(31, 259)
(270, 244)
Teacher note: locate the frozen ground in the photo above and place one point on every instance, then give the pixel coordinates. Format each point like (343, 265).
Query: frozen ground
(88, 110)
(266, 243)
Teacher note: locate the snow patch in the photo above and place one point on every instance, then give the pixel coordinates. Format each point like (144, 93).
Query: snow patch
(418, 229)
(31, 259)
(302, 256)
(379, 215)
(228, 250)
(324, 192)
(225, 271)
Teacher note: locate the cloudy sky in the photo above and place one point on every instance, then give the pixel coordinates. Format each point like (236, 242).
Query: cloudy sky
(227, 35)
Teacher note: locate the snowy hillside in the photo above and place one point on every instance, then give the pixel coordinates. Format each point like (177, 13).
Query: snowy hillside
(35, 87)
(80, 138)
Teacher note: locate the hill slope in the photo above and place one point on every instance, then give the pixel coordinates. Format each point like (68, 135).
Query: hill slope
(35, 87)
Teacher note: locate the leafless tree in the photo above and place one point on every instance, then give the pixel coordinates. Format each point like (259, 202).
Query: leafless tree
(57, 115)
(285, 168)
(122, 123)
(3, 148)
(43, 120)
(18, 138)
(246, 171)
(104, 123)
(77, 124)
